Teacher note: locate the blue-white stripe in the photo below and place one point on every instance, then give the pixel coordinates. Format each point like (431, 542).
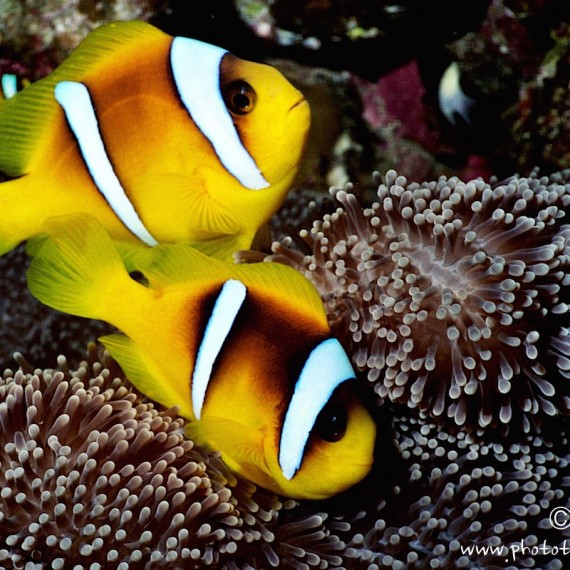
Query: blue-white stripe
(196, 70)
(9, 85)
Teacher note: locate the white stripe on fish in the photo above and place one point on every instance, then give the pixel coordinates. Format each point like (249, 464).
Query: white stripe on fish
(9, 85)
(326, 368)
(452, 100)
(76, 103)
(224, 313)
(196, 70)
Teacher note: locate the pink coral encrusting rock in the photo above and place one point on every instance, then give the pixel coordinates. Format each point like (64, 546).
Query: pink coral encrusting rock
(451, 296)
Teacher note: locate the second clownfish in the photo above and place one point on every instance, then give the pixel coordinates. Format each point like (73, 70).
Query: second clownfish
(245, 351)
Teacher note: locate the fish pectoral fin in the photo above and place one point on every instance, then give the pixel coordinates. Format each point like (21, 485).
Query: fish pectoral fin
(144, 373)
(75, 263)
(241, 446)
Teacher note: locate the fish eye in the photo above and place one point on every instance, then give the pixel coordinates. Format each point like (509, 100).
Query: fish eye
(240, 97)
(331, 422)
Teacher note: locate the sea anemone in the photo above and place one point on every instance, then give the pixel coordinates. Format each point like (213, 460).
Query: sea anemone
(94, 475)
(468, 501)
(451, 296)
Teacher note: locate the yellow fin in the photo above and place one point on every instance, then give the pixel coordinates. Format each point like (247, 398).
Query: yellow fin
(75, 267)
(180, 263)
(223, 247)
(284, 286)
(26, 118)
(144, 373)
(241, 446)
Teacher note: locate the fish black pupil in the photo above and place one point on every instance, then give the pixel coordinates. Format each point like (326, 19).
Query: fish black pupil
(331, 423)
(241, 100)
(240, 97)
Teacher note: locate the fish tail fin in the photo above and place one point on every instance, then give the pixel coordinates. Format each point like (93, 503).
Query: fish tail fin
(78, 269)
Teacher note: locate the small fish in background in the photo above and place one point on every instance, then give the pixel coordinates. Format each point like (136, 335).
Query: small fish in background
(10, 84)
(455, 105)
(245, 351)
(163, 139)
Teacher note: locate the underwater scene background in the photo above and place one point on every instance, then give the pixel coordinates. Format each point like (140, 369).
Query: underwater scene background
(472, 466)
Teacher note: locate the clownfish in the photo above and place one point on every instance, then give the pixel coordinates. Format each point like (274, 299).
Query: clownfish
(244, 351)
(162, 139)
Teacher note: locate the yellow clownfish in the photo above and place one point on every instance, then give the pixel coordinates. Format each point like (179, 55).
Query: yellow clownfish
(245, 351)
(162, 139)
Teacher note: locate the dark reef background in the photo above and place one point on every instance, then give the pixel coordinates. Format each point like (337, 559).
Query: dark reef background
(371, 72)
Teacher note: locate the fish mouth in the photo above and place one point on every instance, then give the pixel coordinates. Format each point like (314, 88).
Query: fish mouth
(297, 103)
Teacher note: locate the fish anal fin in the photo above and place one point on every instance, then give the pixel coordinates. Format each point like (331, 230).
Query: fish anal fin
(146, 375)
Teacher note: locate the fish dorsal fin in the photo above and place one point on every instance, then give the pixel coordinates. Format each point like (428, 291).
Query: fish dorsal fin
(25, 119)
(285, 287)
(168, 264)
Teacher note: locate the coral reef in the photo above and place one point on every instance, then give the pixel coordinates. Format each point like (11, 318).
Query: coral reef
(452, 297)
(37, 36)
(512, 57)
(541, 116)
